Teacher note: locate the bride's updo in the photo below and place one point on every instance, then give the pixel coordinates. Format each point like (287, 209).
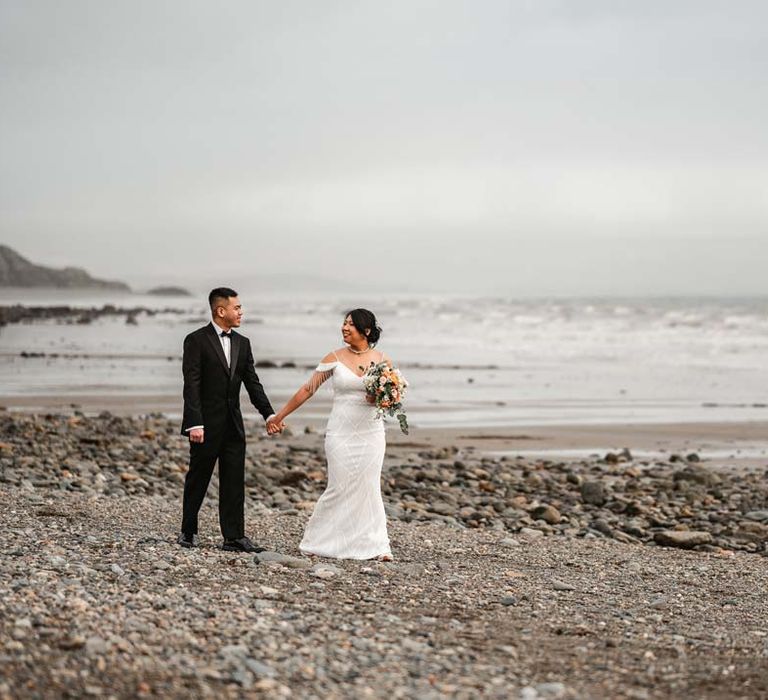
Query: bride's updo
(364, 320)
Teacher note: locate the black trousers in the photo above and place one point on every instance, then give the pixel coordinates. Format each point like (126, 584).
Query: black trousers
(229, 449)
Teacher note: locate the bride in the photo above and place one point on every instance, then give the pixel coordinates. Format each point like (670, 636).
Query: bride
(349, 520)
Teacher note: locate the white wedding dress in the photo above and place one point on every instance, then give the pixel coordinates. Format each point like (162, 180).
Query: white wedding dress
(348, 521)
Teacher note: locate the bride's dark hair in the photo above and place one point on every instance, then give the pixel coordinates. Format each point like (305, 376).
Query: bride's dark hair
(365, 322)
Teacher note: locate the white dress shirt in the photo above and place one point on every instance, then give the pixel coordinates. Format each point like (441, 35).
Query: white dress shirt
(226, 342)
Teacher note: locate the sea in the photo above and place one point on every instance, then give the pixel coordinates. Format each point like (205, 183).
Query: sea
(470, 360)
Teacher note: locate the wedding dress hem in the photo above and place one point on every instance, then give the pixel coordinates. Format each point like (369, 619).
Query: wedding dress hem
(355, 557)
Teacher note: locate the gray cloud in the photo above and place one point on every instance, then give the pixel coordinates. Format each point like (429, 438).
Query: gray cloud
(151, 139)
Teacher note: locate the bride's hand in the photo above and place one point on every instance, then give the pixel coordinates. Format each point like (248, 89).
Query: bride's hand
(370, 399)
(274, 426)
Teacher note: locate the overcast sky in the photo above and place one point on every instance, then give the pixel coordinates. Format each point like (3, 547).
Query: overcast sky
(522, 147)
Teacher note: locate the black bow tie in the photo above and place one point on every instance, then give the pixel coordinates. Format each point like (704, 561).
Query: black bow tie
(224, 334)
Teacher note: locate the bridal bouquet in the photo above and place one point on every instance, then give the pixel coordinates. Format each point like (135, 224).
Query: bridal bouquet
(386, 386)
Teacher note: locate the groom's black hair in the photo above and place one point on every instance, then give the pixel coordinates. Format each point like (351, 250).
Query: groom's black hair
(220, 293)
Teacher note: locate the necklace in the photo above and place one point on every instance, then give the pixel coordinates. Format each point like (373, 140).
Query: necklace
(358, 352)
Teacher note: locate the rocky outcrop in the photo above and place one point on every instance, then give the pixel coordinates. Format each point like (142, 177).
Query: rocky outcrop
(17, 271)
(169, 292)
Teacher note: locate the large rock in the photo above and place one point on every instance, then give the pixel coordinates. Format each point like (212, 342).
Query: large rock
(528, 533)
(697, 474)
(293, 477)
(441, 508)
(752, 532)
(284, 560)
(761, 515)
(325, 571)
(549, 514)
(685, 539)
(593, 492)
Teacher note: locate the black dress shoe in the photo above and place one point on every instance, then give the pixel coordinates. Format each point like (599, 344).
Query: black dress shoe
(187, 540)
(242, 545)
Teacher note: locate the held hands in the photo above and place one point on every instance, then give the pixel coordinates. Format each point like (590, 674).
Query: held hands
(274, 426)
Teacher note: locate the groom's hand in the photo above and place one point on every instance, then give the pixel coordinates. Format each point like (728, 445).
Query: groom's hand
(196, 435)
(273, 427)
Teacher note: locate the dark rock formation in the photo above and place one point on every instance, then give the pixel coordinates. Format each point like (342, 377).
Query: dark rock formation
(17, 271)
(170, 292)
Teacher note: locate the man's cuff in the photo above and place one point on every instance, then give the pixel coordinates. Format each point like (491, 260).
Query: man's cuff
(194, 427)
(270, 417)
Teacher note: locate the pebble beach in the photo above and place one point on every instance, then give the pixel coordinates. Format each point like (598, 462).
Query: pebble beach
(608, 576)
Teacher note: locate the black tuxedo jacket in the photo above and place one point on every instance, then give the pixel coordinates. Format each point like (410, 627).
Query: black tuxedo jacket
(211, 389)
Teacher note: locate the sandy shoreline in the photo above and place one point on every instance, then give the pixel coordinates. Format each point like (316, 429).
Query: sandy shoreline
(721, 443)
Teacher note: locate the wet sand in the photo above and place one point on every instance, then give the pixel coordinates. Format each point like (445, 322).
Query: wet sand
(723, 443)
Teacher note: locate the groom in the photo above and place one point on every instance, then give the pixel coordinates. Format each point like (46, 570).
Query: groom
(216, 361)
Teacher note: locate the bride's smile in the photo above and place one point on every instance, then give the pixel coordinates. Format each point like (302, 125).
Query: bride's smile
(353, 337)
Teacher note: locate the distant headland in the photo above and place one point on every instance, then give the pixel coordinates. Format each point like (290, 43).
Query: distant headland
(17, 271)
(170, 292)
